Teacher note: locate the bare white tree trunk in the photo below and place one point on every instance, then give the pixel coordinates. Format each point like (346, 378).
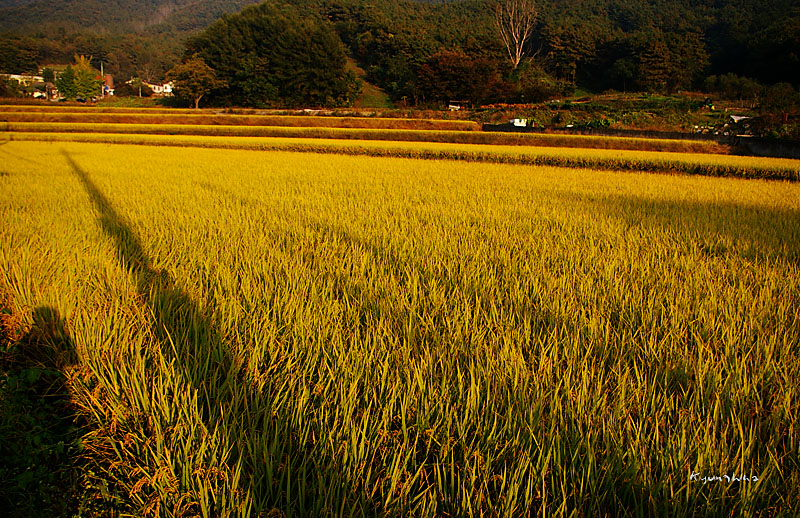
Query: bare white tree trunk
(515, 20)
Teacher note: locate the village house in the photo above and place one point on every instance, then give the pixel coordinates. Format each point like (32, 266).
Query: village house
(160, 89)
(31, 85)
(108, 84)
(24, 79)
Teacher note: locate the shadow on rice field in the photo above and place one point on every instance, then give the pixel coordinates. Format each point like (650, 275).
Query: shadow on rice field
(39, 439)
(231, 413)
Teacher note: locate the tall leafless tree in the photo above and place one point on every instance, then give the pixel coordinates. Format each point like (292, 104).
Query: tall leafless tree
(515, 19)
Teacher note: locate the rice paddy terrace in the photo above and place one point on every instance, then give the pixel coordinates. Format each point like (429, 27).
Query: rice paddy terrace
(264, 315)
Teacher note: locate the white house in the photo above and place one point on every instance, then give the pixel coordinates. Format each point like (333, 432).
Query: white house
(24, 79)
(160, 89)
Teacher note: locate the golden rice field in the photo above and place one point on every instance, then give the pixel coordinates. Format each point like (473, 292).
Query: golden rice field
(258, 331)
(192, 117)
(77, 108)
(616, 159)
(367, 133)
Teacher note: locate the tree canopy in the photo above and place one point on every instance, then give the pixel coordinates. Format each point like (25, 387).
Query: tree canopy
(278, 54)
(87, 80)
(65, 82)
(193, 79)
(79, 80)
(270, 54)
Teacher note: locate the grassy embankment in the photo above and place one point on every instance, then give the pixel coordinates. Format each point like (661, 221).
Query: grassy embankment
(349, 335)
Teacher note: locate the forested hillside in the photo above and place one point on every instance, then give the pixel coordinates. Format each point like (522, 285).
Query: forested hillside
(30, 16)
(141, 38)
(423, 52)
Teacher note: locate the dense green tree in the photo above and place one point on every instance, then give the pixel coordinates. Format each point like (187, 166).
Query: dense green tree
(133, 88)
(449, 75)
(79, 80)
(533, 84)
(775, 49)
(193, 79)
(270, 54)
(732, 86)
(570, 47)
(781, 99)
(15, 58)
(653, 70)
(49, 75)
(622, 71)
(87, 80)
(9, 88)
(688, 60)
(65, 83)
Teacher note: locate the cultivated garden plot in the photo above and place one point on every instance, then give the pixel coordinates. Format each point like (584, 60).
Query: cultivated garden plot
(342, 335)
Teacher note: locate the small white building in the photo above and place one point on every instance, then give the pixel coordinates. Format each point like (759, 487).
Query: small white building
(160, 89)
(24, 79)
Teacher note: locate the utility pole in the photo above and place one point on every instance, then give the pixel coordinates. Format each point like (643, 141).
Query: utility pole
(103, 84)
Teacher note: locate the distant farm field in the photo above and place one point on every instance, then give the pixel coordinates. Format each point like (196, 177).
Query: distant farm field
(250, 325)
(611, 159)
(369, 133)
(384, 137)
(191, 117)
